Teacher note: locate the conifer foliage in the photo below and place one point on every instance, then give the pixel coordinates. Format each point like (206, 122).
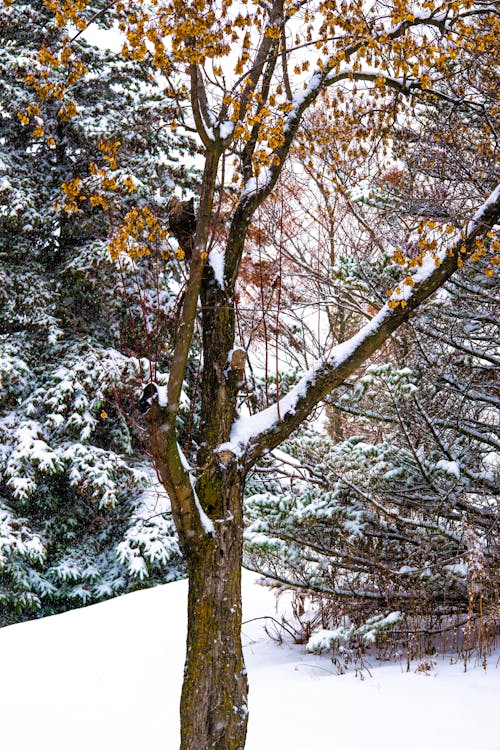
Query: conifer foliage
(80, 518)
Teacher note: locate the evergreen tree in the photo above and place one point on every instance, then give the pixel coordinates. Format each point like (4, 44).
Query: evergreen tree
(80, 515)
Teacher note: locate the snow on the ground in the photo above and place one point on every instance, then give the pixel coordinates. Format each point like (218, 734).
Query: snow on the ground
(108, 677)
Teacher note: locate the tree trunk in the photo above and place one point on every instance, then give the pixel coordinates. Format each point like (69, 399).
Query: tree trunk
(214, 694)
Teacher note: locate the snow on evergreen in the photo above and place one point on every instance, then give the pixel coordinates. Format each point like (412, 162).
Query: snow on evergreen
(75, 345)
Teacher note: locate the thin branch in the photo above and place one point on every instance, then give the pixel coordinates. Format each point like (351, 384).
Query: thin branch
(93, 18)
(261, 432)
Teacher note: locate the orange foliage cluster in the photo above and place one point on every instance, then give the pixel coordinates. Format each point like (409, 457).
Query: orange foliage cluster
(99, 187)
(138, 234)
(375, 62)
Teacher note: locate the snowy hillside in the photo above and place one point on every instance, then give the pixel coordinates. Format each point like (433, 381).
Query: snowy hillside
(108, 677)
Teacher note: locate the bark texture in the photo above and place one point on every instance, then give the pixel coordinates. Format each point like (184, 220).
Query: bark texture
(214, 696)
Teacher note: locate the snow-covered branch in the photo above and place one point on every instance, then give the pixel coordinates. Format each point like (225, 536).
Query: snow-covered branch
(253, 435)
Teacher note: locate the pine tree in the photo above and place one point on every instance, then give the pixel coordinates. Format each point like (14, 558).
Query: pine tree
(81, 517)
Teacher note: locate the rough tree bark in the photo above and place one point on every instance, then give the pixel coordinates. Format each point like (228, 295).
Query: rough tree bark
(207, 504)
(214, 697)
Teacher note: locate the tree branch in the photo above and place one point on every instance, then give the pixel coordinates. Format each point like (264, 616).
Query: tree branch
(201, 113)
(170, 463)
(254, 435)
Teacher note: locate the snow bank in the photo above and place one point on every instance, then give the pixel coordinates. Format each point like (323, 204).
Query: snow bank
(109, 676)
